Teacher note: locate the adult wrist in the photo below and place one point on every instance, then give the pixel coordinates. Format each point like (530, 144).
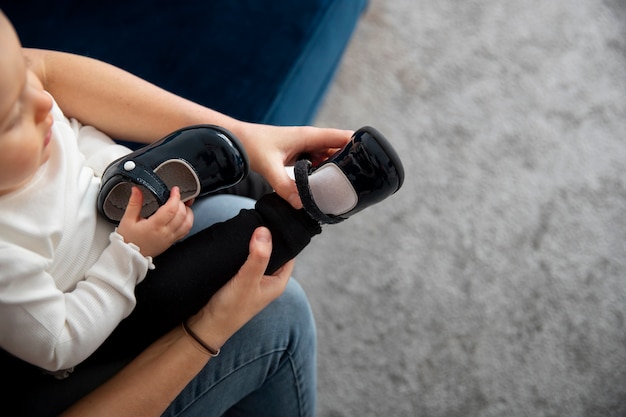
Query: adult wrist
(198, 342)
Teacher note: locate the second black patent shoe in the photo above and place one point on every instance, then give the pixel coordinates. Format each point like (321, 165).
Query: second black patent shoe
(370, 164)
(198, 159)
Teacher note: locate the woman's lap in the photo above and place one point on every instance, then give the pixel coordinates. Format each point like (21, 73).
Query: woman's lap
(267, 368)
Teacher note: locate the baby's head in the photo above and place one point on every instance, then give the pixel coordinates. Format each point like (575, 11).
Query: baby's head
(25, 118)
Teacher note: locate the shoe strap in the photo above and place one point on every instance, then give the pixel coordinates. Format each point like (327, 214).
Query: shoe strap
(146, 177)
(301, 173)
(139, 175)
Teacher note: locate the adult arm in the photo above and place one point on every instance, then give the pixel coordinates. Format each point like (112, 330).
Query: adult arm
(127, 107)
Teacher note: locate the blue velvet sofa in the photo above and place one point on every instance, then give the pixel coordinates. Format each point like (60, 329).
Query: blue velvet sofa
(268, 61)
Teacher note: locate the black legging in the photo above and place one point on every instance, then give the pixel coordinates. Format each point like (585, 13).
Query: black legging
(191, 271)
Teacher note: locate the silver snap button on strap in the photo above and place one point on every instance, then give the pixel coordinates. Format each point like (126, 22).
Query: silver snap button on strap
(129, 165)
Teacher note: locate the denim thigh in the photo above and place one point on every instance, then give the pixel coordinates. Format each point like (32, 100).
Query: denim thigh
(268, 368)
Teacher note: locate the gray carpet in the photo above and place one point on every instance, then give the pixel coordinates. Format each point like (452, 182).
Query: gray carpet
(494, 282)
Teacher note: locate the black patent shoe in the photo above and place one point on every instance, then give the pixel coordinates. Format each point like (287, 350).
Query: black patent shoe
(198, 159)
(368, 161)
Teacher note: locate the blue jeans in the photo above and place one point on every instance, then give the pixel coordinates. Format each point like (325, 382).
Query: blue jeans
(218, 208)
(268, 368)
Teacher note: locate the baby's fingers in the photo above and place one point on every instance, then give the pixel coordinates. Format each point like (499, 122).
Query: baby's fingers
(135, 202)
(174, 215)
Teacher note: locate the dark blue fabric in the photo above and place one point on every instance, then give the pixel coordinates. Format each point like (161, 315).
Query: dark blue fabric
(266, 61)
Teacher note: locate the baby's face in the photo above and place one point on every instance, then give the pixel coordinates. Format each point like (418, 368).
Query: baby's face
(25, 119)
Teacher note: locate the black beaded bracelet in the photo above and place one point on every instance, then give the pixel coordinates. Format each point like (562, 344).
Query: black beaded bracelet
(197, 341)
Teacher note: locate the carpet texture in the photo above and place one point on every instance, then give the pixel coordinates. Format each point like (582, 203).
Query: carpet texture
(494, 282)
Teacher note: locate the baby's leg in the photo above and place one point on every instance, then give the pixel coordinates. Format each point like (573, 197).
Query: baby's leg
(190, 272)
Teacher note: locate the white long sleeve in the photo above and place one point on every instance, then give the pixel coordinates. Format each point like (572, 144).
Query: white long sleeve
(66, 278)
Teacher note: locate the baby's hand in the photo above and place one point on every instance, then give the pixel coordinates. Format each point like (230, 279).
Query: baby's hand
(170, 223)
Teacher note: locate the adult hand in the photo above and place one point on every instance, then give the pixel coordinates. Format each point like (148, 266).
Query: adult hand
(170, 223)
(271, 148)
(244, 296)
